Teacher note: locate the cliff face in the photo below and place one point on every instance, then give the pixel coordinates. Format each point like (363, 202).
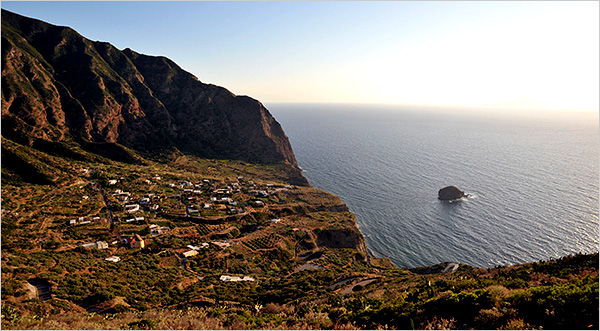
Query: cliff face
(60, 86)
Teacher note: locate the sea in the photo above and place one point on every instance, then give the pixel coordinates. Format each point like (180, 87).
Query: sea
(531, 178)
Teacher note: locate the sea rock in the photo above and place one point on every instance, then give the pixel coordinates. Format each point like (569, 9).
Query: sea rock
(450, 193)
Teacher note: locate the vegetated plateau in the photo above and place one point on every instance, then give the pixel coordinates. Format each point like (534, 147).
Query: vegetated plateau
(117, 214)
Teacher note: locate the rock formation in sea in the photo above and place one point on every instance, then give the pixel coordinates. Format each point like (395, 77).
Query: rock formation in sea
(450, 193)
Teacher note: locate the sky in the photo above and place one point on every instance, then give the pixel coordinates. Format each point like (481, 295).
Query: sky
(511, 54)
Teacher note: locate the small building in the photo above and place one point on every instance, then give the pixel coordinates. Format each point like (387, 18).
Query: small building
(137, 242)
(112, 181)
(97, 245)
(113, 259)
(275, 220)
(236, 279)
(132, 208)
(101, 245)
(190, 253)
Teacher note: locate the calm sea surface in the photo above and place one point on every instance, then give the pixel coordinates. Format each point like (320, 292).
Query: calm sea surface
(533, 179)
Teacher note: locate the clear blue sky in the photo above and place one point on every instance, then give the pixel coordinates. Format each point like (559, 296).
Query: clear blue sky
(512, 54)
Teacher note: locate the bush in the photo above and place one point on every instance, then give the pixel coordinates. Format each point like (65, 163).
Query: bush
(143, 324)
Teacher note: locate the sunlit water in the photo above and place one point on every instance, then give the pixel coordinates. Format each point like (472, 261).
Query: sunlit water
(533, 179)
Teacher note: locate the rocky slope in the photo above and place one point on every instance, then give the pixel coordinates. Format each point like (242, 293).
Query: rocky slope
(61, 87)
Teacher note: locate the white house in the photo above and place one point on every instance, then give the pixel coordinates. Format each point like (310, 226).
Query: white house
(236, 279)
(101, 245)
(113, 259)
(132, 208)
(190, 253)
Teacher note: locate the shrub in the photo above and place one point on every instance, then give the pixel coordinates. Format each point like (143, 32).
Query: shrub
(143, 324)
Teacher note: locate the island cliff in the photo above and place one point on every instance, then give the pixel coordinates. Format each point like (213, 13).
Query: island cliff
(59, 86)
(136, 197)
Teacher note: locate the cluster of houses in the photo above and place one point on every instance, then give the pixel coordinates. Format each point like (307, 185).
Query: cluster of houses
(133, 241)
(146, 202)
(220, 200)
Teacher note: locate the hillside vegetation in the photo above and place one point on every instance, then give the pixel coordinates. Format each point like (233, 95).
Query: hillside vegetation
(136, 197)
(305, 262)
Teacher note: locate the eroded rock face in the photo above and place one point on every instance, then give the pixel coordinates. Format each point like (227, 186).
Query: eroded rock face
(450, 193)
(58, 85)
(342, 238)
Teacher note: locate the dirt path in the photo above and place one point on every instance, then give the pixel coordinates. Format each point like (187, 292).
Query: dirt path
(182, 260)
(349, 289)
(342, 282)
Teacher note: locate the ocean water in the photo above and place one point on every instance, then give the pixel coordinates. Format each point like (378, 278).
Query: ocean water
(532, 179)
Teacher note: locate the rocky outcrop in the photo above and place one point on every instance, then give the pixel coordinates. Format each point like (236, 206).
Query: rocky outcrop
(450, 193)
(60, 86)
(348, 237)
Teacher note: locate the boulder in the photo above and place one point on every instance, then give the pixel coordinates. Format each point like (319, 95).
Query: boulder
(450, 193)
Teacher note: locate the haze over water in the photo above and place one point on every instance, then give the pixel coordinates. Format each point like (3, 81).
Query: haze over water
(533, 179)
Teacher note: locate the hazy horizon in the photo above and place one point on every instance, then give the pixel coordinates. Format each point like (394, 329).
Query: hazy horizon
(486, 55)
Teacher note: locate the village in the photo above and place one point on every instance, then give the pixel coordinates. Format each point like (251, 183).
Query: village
(137, 214)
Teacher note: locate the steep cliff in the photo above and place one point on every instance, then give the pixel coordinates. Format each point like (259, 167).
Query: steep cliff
(59, 86)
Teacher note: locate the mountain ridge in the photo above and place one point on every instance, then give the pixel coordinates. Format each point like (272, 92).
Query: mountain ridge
(60, 86)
